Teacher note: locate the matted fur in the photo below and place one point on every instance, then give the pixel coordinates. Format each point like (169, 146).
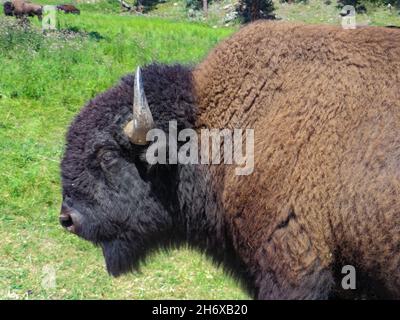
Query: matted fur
(325, 106)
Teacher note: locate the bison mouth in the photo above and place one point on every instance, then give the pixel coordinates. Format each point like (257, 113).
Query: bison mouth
(120, 257)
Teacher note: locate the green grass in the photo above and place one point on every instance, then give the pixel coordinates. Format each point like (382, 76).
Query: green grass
(44, 82)
(316, 12)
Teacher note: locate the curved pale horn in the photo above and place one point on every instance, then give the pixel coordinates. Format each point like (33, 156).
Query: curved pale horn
(142, 122)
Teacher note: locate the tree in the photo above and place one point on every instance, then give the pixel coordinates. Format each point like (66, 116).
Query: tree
(205, 7)
(198, 4)
(251, 10)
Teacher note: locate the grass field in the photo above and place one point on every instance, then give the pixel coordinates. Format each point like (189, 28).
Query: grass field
(44, 81)
(316, 11)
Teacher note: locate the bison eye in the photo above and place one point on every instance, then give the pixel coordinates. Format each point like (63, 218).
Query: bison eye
(108, 157)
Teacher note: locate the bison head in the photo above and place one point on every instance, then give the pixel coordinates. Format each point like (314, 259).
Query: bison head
(111, 196)
(8, 8)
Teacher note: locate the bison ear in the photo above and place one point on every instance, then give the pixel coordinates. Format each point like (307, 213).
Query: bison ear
(142, 121)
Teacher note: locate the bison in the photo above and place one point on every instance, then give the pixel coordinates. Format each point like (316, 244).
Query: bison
(68, 8)
(22, 9)
(324, 104)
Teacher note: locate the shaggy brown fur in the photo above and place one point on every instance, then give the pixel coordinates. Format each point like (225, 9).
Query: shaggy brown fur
(325, 106)
(24, 8)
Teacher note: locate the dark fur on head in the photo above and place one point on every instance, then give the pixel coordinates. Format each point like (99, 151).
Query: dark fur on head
(131, 208)
(8, 8)
(128, 207)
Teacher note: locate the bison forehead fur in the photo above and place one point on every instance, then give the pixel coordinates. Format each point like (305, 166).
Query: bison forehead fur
(325, 191)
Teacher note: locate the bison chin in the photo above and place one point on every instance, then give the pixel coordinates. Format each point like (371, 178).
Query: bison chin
(121, 257)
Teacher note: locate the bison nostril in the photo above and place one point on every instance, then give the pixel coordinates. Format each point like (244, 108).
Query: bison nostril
(69, 218)
(66, 220)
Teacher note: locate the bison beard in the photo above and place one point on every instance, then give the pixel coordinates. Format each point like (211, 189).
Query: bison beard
(325, 107)
(121, 256)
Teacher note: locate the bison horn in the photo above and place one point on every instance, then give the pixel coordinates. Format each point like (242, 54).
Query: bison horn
(142, 121)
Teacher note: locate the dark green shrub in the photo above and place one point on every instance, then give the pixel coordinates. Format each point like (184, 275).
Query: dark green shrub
(251, 10)
(195, 4)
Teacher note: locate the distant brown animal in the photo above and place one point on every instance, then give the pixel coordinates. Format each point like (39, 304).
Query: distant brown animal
(22, 9)
(324, 104)
(68, 8)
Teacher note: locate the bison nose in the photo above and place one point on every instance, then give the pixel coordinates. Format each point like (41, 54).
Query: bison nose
(68, 218)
